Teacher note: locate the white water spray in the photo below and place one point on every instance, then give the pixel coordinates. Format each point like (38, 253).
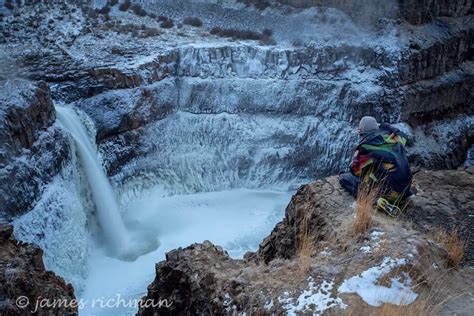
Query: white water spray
(108, 213)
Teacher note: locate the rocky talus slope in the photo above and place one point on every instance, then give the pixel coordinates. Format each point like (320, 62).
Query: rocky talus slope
(203, 279)
(26, 287)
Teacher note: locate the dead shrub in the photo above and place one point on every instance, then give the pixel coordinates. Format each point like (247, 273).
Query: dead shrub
(124, 6)
(138, 10)
(417, 308)
(265, 37)
(151, 32)
(167, 24)
(196, 22)
(9, 5)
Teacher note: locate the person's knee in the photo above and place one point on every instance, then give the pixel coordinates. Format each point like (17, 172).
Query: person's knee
(349, 182)
(345, 178)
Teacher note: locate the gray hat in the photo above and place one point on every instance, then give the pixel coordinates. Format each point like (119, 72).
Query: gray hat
(368, 124)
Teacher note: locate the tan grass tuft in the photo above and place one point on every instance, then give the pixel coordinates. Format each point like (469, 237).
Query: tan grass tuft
(305, 245)
(453, 245)
(364, 209)
(418, 308)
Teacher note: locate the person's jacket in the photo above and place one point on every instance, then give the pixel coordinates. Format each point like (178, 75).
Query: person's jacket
(381, 157)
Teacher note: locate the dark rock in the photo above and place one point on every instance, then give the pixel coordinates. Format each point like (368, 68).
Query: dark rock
(422, 11)
(445, 97)
(445, 200)
(6, 232)
(307, 202)
(190, 291)
(23, 277)
(27, 110)
(436, 57)
(32, 148)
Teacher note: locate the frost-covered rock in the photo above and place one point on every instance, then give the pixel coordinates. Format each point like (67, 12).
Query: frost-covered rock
(305, 99)
(32, 148)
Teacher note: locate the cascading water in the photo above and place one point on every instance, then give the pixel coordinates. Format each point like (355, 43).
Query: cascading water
(108, 213)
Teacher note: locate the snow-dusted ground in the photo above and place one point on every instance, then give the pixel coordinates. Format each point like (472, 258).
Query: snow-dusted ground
(319, 297)
(236, 219)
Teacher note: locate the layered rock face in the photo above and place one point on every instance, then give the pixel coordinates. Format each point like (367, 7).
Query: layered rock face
(203, 279)
(32, 147)
(27, 288)
(262, 116)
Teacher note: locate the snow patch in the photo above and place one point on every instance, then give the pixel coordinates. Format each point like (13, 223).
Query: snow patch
(268, 305)
(326, 252)
(365, 286)
(373, 243)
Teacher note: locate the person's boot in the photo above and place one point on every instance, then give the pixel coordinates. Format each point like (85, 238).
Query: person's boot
(387, 207)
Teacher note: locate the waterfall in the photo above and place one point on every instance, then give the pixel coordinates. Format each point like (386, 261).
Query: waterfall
(108, 213)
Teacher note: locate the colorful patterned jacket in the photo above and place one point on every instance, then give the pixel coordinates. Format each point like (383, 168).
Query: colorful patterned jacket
(381, 158)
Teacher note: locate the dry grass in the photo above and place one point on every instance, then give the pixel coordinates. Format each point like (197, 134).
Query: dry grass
(429, 304)
(364, 209)
(417, 308)
(305, 245)
(453, 245)
(421, 307)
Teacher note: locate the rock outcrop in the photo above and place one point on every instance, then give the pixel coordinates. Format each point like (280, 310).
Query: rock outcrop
(203, 279)
(443, 201)
(32, 147)
(26, 287)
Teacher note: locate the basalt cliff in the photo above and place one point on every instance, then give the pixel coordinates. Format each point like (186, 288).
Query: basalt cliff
(208, 95)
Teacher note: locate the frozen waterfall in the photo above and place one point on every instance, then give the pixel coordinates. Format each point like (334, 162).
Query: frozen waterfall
(108, 213)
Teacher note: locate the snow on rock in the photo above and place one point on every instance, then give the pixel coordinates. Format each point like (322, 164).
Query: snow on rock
(373, 243)
(365, 285)
(317, 298)
(326, 252)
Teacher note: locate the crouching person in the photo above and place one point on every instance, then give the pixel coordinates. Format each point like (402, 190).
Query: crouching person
(380, 162)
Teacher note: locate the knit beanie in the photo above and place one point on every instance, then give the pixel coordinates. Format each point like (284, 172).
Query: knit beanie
(368, 124)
